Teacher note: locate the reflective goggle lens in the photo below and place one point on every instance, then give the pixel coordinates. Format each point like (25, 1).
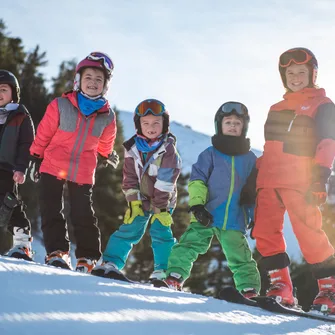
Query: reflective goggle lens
(107, 62)
(150, 106)
(297, 56)
(238, 108)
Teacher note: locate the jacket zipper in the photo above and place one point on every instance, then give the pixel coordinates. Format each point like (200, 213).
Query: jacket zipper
(232, 183)
(291, 124)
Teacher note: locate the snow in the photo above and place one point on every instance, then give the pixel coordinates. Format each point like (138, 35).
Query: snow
(38, 299)
(190, 144)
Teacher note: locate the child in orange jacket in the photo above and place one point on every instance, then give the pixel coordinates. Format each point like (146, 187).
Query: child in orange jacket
(293, 171)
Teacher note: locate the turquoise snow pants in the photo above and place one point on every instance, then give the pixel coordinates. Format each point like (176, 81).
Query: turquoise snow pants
(122, 241)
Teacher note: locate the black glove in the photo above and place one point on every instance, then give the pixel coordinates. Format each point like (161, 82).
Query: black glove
(112, 159)
(317, 192)
(34, 166)
(202, 215)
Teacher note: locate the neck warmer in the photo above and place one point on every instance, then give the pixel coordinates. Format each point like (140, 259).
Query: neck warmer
(88, 106)
(231, 145)
(5, 111)
(145, 146)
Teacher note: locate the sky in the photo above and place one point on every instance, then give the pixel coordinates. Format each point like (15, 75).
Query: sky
(39, 299)
(193, 55)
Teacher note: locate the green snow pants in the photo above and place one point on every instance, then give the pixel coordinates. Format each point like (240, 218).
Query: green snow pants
(197, 240)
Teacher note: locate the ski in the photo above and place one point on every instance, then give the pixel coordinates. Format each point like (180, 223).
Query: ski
(230, 294)
(20, 255)
(116, 275)
(59, 264)
(270, 304)
(159, 283)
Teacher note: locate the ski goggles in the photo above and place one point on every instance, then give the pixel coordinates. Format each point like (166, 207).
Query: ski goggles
(154, 107)
(99, 56)
(298, 56)
(235, 107)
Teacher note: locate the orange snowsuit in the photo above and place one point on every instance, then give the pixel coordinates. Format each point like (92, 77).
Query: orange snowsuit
(299, 134)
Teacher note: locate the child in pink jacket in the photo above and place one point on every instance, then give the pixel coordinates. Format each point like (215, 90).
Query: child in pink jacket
(75, 129)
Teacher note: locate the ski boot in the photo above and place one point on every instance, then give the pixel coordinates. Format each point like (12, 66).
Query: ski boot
(85, 265)
(249, 293)
(60, 259)
(105, 269)
(157, 275)
(174, 281)
(21, 244)
(325, 300)
(281, 287)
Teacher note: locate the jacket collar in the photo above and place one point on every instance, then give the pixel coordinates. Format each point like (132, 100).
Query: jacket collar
(306, 93)
(72, 96)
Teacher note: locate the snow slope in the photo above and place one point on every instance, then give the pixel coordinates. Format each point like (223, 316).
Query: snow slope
(190, 144)
(38, 299)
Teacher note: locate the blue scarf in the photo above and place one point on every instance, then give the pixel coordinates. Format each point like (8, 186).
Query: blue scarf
(143, 145)
(88, 106)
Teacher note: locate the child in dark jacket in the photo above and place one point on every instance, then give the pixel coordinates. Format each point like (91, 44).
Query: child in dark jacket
(222, 198)
(150, 172)
(16, 136)
(75, 129)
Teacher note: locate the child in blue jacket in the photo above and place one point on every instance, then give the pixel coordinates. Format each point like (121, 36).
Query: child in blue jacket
(222, 192)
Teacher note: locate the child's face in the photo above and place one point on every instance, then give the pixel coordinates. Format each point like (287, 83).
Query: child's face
(297, 77)
(151, 125)
(232, 125)
(5, 94)
(92, 81)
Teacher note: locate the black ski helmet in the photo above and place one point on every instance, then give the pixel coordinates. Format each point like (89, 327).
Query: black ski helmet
(311, 62)
(165, 114)
(232, 108)
(8, 78)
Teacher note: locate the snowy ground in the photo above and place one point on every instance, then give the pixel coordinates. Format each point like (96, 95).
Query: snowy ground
(39, 299)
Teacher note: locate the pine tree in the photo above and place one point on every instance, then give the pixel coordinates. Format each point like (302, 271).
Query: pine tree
(64, 81)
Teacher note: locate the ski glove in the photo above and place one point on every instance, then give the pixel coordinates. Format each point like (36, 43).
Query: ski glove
(134, 210)
(202, 215)
(34, 166)
(164, 218)
(112, 159)
(317, 192)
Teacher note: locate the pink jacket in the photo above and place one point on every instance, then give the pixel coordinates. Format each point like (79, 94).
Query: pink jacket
(69, 142)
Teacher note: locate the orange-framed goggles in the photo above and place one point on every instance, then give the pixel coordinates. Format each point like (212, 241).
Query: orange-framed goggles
(297, 56)
(152, 106)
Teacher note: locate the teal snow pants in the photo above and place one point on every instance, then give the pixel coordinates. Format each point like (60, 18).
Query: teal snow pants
(122, 241)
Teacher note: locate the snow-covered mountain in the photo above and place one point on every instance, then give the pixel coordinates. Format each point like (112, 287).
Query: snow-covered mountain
(41, 300)
(190, 144)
